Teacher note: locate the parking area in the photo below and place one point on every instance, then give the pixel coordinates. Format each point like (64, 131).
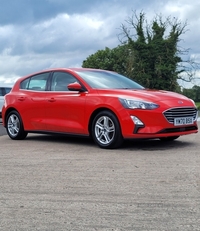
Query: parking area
(61, 183)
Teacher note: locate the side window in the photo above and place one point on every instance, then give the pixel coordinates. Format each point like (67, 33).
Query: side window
(36, 82)
(60, 80)
(1, 91)
(24, 84)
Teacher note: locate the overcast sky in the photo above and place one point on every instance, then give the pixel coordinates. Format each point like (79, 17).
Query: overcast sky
(41, 34)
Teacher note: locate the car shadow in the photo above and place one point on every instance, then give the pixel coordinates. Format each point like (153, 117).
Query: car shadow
(130, 145)
(62, 139)
(155, 145)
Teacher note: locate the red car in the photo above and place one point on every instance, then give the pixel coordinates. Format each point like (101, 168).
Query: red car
(102, 104)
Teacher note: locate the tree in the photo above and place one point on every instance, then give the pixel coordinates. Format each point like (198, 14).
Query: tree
(110, 59)
(189, 93)
(149, 53)
(196, 90)
(192, 93)
(155, 50)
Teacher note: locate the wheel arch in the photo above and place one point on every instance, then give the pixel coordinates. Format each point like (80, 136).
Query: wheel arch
(95, 112)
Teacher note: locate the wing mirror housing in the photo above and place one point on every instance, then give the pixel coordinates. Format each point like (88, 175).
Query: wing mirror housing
(75, 87)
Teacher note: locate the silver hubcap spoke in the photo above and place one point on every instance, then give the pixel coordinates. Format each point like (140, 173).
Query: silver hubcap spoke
(104, 130)
(13, 125)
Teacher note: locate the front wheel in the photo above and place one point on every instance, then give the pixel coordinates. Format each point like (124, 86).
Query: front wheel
(106, 131)
(14, 126)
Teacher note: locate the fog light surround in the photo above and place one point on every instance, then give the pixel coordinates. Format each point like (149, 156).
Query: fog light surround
(137, 121)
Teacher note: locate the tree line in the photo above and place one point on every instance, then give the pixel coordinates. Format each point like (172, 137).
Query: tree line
(192, 93)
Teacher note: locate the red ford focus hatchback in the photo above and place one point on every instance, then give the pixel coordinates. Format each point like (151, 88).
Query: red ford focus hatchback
(105, 105)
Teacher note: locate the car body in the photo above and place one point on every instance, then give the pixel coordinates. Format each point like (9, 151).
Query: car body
(102, 104)
(3, 91)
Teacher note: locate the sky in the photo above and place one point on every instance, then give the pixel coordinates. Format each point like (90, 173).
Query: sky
(41, 34)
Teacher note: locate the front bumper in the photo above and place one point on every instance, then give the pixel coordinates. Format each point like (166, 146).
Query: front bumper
(154, 125)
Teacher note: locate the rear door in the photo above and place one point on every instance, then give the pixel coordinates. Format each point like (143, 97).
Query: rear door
(31, 101)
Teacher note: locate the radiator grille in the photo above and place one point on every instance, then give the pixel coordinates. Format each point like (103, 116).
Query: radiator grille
(173, 113)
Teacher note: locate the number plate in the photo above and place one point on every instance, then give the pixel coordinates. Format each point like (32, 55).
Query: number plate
(183, 120)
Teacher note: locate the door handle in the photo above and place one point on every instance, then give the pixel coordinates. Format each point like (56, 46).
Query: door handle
(52, 100)
(21, 98)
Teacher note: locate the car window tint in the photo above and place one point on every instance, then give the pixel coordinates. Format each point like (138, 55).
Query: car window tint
(7, 90)
(24, 84)
(60, 80)
(36, 82)
(4, 90)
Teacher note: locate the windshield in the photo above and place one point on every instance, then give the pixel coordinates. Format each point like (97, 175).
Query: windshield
(108, 80)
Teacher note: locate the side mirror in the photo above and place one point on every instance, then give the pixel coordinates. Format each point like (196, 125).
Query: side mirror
(75, 87)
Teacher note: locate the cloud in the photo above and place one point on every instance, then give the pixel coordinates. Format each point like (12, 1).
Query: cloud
(33, 11)
(65, 40)
(40, 34)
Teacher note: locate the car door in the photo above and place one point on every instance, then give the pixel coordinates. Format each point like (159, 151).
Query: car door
(65, 109)
(31, 101)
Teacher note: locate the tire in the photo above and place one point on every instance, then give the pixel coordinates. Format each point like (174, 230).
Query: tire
(14, 126)
(170, 138)
(106, 131)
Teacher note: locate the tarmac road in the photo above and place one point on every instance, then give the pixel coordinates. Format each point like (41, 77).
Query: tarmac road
(50, 183)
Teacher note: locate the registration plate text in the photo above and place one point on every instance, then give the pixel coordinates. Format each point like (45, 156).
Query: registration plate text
(183, 121)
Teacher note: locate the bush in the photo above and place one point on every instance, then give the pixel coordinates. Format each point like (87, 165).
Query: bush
(198, 105)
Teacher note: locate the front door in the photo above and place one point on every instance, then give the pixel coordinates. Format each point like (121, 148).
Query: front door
(64, 109)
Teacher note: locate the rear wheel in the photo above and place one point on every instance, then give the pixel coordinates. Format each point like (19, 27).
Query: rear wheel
(14, 126)
(170, 138)
(106, 131)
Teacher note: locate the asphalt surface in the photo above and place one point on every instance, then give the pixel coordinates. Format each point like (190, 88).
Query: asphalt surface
(50, 183)
(2, 129)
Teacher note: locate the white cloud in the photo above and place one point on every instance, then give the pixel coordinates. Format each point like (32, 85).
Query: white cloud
(64, 38)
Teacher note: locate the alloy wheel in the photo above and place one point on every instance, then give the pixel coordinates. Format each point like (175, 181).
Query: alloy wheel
(13, 125)
(104, 130)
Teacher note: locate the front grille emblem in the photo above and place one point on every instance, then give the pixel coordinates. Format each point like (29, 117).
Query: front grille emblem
(180, 102)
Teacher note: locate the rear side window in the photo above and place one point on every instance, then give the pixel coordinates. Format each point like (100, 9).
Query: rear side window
(36, 82)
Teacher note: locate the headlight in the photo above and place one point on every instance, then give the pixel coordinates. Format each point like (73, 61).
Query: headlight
(133, 104)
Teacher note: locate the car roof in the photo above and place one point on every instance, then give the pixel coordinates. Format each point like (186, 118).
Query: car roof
(73, 69)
